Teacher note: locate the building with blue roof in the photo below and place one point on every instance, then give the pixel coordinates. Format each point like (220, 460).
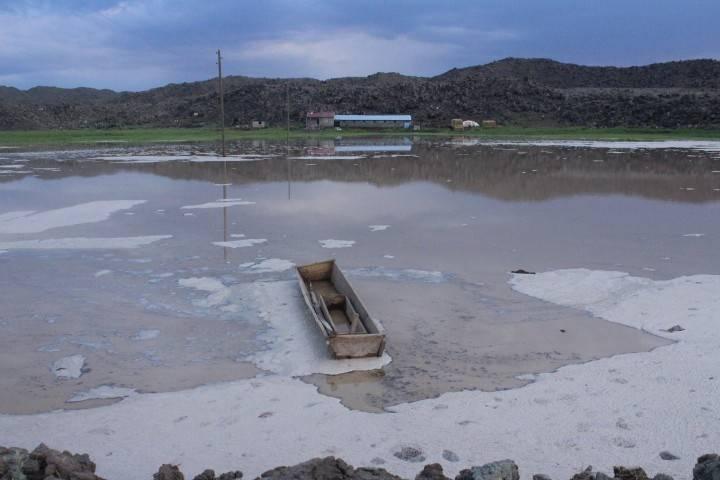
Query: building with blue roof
(373, 121)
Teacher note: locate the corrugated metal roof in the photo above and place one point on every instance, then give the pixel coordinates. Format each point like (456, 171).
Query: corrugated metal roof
(374, 118)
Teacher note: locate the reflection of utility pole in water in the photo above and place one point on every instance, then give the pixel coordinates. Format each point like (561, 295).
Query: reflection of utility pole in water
(287, 137)
(225, 229)
(222, 103)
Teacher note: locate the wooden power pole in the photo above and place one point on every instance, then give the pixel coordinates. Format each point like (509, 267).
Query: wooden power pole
(222, 102)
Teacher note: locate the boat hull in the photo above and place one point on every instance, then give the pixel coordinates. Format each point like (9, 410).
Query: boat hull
(324, 284)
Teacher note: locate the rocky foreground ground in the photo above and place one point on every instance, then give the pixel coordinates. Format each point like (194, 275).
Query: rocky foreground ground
(44, 463)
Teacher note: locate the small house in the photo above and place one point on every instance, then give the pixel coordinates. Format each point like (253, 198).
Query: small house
(374, 121)
(489, 124)
(316, 120)
(457, 124)
(258, 124)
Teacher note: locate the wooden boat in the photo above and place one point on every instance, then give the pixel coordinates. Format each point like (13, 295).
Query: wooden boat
(349, 329)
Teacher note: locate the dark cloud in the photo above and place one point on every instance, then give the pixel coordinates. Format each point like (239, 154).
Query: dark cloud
(136, 44)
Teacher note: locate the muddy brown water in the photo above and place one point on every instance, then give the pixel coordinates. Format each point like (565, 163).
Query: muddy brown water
(460, 218)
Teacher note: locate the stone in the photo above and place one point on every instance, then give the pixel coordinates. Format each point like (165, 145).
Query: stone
(168, 472)
(230, 475)
(433, 471)
(328, 468)
(630, 473)
(410, 454)
(586, 474)
(676, 328)
(662, 476)
(500, 470)
(450, 456)
(208, 474)
(31, 468)
(540, 476)
(707, 467)
(665, 455)
(602, 476)
(63, 464)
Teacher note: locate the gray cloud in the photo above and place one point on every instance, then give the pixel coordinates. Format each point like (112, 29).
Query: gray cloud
(136, 44)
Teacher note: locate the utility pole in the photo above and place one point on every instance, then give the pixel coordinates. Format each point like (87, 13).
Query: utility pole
(222, 102)
(287, 101)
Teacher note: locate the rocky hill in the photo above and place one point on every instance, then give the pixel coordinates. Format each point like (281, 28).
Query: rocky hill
(529, 92)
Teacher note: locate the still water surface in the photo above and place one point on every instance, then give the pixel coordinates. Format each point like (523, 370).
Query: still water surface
(431, 230)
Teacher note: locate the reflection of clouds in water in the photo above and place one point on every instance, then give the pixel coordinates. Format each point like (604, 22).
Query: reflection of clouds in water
(222, 203)
(82, 243)
(406, 274)
(267, 265)
(29, 221)
(332, 243)
(247, 242)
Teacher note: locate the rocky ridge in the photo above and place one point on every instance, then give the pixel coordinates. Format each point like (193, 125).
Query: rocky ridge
(527, 92)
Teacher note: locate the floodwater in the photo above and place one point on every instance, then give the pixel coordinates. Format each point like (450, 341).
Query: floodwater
(110, 253)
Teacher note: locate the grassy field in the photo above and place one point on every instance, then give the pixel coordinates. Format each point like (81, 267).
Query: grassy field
(171, 135)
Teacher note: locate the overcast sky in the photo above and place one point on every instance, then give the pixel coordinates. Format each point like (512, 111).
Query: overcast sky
(139, 44)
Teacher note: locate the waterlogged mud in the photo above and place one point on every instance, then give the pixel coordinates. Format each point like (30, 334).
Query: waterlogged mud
(157, 296)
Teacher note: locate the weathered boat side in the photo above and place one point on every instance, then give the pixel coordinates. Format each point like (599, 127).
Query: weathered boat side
(369, 341)
(308, 302)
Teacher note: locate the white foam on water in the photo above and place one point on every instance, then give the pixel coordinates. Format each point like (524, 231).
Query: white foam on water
(32, 222)
(622, 410)
(267, 265)
(693, 235)
(296, 345)
(83, 243)
(12, 166)
(146, 334)
(140, 159)
(247, 242)
(405, 274)
(68, 367)
(219, 293)
(617, 146)
(102, 392)
(390, 257)
(220, 204)
(237, 235)
(329, 157)
(101, 273)
(378, 228)
(3, 251)
(332, 243)
(9, 216)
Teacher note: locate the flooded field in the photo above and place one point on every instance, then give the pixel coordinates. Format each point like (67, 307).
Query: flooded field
(126, 270)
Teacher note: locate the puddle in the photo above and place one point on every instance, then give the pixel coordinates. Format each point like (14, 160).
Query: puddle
(433, 234)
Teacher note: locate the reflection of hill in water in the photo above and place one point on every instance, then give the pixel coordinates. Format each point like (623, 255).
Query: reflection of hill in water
(539, 174)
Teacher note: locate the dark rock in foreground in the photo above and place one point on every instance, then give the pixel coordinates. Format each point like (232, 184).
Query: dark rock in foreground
(502, 470)
(433, 471)
(328, 468)
(44, 463)
(707, 467)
